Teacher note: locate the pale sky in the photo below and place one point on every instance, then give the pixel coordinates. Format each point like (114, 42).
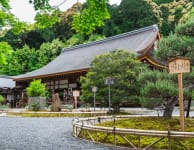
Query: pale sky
(25, 12)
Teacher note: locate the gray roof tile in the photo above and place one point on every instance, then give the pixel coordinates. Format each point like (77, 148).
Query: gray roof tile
(80, 56)
(6, 82)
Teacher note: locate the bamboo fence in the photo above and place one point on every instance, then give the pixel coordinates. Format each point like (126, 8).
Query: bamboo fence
(85, 126)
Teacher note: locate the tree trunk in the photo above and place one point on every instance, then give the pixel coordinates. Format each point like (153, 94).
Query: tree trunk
(169, 108)
(188, 107)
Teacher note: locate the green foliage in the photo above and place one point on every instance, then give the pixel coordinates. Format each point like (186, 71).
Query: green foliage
(91, 17)
(162, 1)
(20, 61)
(131, 15)
(47, 34)
(63, 29)
(3, 107)
(20, 27)
(158, 88)
(44, 19)
(49, 51)
(6, 18)
(122, 67)
(40, 4)
(180, 44)
(186, 25)
(1, 99)
(151, 102)
(69, 107)
(175, 45)
(26, 59)
(157, 84)
(5, 49)
(172, 13)
(188, 16)
(4, 4)
(75, 40)
(36, 88)
(95, 37)
(36, 106)
(186, 29)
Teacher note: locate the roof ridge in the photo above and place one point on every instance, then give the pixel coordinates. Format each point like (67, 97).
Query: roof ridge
(5, 77)
(154, 27)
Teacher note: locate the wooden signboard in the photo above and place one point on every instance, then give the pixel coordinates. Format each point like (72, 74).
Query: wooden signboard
(179, 65)
(76, 94)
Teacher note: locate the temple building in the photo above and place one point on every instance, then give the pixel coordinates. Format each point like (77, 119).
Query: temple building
(62, 75)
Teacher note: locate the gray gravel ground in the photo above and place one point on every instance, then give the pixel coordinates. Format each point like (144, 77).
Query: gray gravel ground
(17, 133)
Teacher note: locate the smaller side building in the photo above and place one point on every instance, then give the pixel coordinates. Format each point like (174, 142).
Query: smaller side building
(8, 91)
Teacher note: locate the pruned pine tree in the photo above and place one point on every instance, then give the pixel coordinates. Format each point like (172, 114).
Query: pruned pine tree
(159, 89)
(123, 67)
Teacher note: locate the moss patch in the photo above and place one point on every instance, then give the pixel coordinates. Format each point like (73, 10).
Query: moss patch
(151, 123)
(54, 114)
(145, 123)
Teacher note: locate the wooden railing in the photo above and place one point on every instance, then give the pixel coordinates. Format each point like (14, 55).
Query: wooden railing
(85, 127)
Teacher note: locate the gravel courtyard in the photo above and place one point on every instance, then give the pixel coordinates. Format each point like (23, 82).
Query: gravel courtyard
(17, 133)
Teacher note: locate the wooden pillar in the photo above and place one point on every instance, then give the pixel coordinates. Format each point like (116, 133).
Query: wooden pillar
(181, 104)
(54, 86)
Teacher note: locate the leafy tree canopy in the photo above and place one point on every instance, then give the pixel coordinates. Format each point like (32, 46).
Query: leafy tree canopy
(178, 44)
(44, 19)
(186, 25)
(122, 67)
(133, 14)
(40, 4)
(28, 59)
(91, 17)
(36, 88)
(5, 49)
(172, 13)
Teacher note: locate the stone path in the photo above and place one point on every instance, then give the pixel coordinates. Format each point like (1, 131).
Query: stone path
(17, 133)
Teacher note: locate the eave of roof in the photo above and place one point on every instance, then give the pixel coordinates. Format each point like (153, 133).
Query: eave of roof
(153, 61)
(79, 57)
(6, 82)
(51, 75)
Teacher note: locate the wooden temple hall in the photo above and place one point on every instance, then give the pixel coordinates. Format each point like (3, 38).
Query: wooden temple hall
(62, 75)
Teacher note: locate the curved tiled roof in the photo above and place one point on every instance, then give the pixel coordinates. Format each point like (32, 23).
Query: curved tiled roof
(79, 57)
(6, 82)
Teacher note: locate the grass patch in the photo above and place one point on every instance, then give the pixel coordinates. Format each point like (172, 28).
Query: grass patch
(54, 114)
(151, 123)
(145, 123)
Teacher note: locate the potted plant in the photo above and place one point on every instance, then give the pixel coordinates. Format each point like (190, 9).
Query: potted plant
(36, 95)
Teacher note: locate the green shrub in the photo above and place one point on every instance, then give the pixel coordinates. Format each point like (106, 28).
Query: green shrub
(35, 107)
(1, 98)
(4, 107)
(70, 107)
(36, 88)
